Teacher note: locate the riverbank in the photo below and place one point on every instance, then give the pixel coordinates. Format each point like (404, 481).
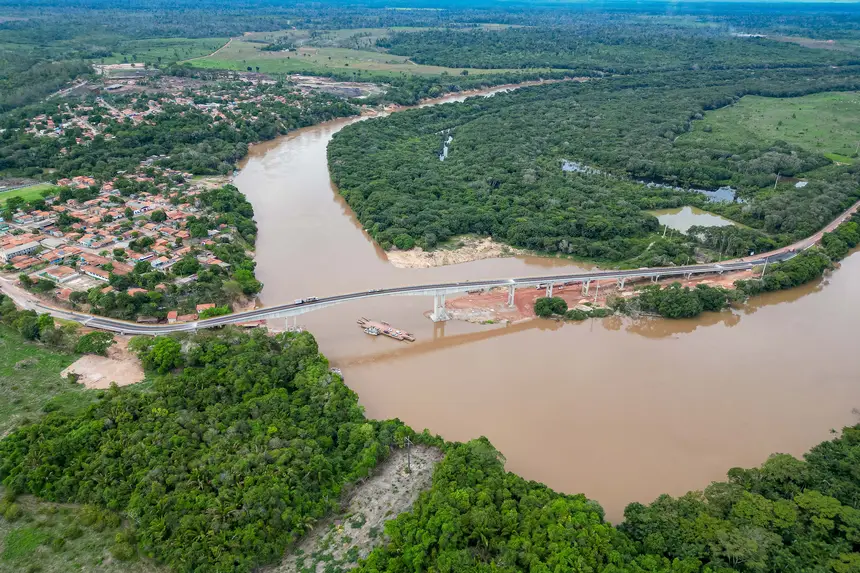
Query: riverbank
(352, 533)
(464, 250)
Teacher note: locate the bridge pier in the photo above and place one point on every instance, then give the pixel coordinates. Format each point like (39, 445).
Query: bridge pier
(621, 282)
(511, 290)
(549, 290)
(585, 286)
(439, 312)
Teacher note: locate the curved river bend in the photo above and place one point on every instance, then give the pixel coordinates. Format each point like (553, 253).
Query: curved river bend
(619, 410)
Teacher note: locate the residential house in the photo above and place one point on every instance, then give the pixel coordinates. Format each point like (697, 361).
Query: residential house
(59, 274)
(96, 272)
(7, 253)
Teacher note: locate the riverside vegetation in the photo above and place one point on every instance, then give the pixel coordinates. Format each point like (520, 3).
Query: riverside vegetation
(677, 301)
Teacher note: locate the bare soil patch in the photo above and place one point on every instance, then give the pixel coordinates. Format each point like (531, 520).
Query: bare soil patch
(338, 543)
(97, 372)
(492, 307)
(468, 249)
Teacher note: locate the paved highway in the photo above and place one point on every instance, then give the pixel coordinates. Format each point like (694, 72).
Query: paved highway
(292, 309)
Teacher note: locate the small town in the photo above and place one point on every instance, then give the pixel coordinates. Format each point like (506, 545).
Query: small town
(78, 246)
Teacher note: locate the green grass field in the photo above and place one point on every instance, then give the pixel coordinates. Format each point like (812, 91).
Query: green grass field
(828, 123)
(324, 52)
(57, 538)
(30, 381)
(167, 49)
(28, 193)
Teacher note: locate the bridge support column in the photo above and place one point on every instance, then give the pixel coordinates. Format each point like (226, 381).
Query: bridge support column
(621, 282)
(439, 312)
(585, 286)
(549, 290)
(511, 290)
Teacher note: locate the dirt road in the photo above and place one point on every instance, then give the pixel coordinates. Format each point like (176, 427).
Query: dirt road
(208, 55)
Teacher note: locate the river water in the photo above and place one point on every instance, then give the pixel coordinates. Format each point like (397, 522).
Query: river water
(617, 409)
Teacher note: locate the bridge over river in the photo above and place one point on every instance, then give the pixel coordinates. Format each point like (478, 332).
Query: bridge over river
(437, 291)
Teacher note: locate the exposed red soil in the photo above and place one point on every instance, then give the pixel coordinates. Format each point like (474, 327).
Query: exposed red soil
(492, 306)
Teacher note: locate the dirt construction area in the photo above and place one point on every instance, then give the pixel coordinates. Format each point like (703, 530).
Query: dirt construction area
(97, 372)
(338, 543)
(492, 307)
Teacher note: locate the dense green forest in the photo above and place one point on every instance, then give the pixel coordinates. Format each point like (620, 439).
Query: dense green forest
(605, 46)
(504, 173)
(223, 462)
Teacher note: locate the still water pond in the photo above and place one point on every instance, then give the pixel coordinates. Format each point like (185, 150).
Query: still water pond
(682, 218)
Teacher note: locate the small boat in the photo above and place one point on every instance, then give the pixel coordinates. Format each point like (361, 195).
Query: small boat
(374, 328)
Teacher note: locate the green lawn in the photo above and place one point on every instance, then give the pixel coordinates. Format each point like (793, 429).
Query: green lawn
(28, 193)
(57, 538)
(828, 123)
(30, 381)
(167, 49)
(242, 54)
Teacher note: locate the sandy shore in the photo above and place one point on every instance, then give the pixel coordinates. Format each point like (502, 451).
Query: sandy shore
(470, 249)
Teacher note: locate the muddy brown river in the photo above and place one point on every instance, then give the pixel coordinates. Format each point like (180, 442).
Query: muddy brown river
(617, 409)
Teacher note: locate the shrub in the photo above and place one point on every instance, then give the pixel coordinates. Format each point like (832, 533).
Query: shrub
(575, 314)
(123, 551)
(548, 306)
(13, 512)
(94, 343)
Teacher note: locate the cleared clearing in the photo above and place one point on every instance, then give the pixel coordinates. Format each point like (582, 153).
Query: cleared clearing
(57, 538)
(828, 123)
(31, 384)
(162, 50)
(338, 543)
(27, 193)
(336, 50)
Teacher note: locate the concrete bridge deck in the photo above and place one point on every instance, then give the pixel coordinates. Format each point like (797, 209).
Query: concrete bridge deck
(438, 291)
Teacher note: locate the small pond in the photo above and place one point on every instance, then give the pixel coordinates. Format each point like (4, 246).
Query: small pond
(682, 218)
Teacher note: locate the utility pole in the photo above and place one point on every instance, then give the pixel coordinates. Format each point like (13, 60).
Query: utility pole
(408, 455)
(777, 181)
(765, 268)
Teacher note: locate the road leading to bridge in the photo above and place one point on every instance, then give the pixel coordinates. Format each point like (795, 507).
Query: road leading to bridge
(294, 309)
(439, 290)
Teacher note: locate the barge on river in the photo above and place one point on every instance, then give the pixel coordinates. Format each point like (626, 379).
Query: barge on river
(374, 328)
